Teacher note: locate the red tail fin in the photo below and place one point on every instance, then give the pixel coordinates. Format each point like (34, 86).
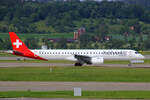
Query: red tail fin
(17, 44)
(19, 48)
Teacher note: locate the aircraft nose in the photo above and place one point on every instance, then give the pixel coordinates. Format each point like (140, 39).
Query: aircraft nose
(142, 57)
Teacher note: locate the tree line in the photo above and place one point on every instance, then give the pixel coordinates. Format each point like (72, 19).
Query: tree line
(100, 19)
(29, 17)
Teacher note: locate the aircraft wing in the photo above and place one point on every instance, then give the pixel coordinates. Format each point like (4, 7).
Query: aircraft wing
(83, 59)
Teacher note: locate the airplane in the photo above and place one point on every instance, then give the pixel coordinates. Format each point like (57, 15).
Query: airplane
(79, 56)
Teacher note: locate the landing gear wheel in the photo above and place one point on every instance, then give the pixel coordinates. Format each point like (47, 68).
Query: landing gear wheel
(129, 64)
(77, 64)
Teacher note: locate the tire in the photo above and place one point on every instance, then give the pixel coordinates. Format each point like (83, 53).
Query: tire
(77, 64)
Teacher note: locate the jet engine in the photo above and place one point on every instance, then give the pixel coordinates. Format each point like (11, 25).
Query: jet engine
(97, 60)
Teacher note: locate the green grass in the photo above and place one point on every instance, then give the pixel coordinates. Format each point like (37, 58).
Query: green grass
(6, 55)
(145, 52)
(85, 94)
(146, 61)
(36, 61)
(75, 74)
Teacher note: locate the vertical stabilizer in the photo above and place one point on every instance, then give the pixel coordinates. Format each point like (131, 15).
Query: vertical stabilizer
(19, 48)
(17, 44)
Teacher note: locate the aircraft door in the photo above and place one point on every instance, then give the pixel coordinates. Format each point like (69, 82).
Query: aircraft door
(35, 53)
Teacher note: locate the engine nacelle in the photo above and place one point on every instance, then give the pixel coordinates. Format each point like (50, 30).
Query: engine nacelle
(97, 60)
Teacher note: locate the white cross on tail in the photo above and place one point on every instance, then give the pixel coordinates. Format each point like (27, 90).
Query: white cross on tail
(17, 43)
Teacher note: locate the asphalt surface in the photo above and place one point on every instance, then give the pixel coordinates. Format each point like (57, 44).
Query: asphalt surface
(61, 86)
(57, 86)
(147, 56)
(15, 58)
(13, 64)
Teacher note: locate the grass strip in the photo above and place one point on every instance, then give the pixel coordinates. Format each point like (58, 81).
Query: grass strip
(75, 74)
(145, 52)
(2, 54)
(85, 94)
(146, 61)
(36, 61)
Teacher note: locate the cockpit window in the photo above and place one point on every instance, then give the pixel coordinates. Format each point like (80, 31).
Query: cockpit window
(136, 52)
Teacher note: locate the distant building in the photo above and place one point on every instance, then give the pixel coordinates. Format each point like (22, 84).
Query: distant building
(78, 32)
(59, 39)
(107, 38)
(44, 47)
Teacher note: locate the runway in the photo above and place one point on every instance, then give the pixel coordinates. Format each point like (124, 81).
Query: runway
(62, 86)
(15, 58)
(147, 56)
(28, 64)
(68, 65)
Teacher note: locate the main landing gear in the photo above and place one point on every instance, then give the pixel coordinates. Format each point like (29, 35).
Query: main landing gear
(130, 64)
(77, 64)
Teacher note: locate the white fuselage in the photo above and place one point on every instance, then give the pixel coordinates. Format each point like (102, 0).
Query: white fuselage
(68, 54)
(81, 56)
